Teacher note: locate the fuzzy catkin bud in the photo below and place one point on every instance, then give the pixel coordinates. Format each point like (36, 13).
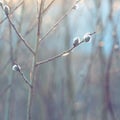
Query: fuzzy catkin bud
(6, 9)
(76, 41)
(76, 7)
(87, 37)
(16, 68)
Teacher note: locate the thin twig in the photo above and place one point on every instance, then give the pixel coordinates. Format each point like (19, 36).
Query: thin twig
(25, 79)
(108, 68)
(19, 29)
(61, 54)
(58, 22)
(12, 11)
(20, 36)
(57, 56)
(35, 24)
(33, 71)
(11, 47)
(46, 9)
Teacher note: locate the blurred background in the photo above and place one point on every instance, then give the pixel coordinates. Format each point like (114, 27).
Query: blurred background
(81, 86)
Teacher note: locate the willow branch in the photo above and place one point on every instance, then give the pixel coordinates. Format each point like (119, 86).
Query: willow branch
(64, 53)
(33, 71)
(59, 21)
(20, 36)
(57, 56)
(12, 11)
(25, 79)
(43, 12)
(46, 9)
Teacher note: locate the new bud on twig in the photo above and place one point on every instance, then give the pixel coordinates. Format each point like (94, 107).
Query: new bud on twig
(16, 68)
(87, 37)
(6, 9)
(76, 41)
(76, 7)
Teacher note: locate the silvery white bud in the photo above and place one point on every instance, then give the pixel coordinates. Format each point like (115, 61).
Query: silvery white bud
(87, 37)
(76, 7)
(16, 68)
(76, 41)
(6, 9)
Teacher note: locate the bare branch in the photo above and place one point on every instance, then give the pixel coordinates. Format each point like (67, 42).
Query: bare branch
(25, 79)
(57, 56)
(65, 53)
(46, 9)
(12, 11)
(20, 36)
(35, 24)
(59, 21)
(33, 72)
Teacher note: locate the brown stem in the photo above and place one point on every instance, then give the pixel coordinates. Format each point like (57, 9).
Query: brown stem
(61, 54)
(35, 24)
(25, 79)
(54, 57)
(58, 22)
(12, 11)
(20, 36)
(33, 72)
